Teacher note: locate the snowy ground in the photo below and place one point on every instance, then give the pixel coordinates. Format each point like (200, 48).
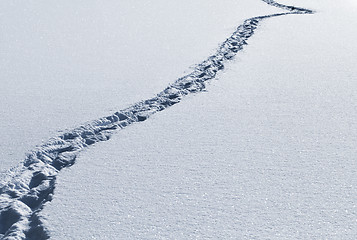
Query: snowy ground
(67, 63)
(267, 153)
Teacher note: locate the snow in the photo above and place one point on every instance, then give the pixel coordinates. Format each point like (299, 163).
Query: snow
(267, 152)
(67, 63)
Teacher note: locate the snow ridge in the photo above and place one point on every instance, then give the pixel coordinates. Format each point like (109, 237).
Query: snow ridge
(28, 187)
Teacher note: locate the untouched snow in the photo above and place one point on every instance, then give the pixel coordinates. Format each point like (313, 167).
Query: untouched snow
(268, 152)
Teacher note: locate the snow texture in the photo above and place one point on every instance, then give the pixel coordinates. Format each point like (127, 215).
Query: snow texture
(26, 189)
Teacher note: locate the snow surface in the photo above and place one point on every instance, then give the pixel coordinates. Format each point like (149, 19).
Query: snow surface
(66, 63)
(24, 190)
(267, 153)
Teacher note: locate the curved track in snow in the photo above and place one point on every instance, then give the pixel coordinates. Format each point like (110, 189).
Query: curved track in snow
(28, 187)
